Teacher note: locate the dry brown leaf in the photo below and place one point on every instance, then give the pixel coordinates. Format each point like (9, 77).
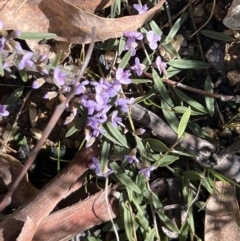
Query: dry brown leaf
(28, 230)
(222, 221)
(67, 21)
(91, 6)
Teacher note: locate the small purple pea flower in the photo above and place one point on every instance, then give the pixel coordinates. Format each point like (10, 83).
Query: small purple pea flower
(140, 9)
(58, 76)
(123, 76)
(26, 61)
(2, 42)
(95, 165)
(131, 157)
(124, 103)
(137, 67)
(160, 64)
(115, 119)
(153, 39)
(147, 171)
(3, 111)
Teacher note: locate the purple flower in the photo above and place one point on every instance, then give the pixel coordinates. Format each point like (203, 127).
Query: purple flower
(124, 103)
(113, 88)
(131, 40)
(123, 76)
(140, 9)
(153, 39)
(160, 64)
(131, 158)
(147, 171)
(3, 111)
(115, 119)
(2, 42)
(95, 165)
(38, 83)
(58, 76)
(26, 61)
(80, 89)
(137, 67)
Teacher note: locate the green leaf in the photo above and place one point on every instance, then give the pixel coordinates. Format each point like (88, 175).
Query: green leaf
(164, 160)
(217, 35)
(121, 45)
(104, 155)
(14, 97)
(127, 219)
(183, 122)
(125, 60)
(150, 235)
(168, 222)
(155, 144)
(124, 178)
(188, 64)
(114, 135)
(184, 232)
(155, 28)
(77, 125)
(140, 146)
(181, 109)
(208, 86)
(192, 175)
(175, 28)
(171, 71)
(166, 102)
(1, 66)
(23, 74)
(140, 81)
(36, 35)
(190, 101)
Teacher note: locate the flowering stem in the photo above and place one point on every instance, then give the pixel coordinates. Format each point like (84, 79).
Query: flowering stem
(52, 122)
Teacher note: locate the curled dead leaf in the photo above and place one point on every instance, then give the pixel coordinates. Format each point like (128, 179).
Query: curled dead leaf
(70, 23)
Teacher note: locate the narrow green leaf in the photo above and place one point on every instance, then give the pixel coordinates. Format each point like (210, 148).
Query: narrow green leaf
(105, 155)
(124, 178)
(182, 109)
(155, 144)
(77, 125)
(171, 71)
(140, 146)
(155, 28)
(190, 101)
(125, 60)
(183, 236)
(113, 134)
(175, 28)
(140, 81)
(183, 122)
(127, 221)
(208, 86)
(192, 175)
(121, 45)
(171, 50)
(166, 102)
(168, 222)
(14, 97)
(188, 64)
(36, 35)
(167, 160)
(23, 74)
(217, 35)
(150, 235)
